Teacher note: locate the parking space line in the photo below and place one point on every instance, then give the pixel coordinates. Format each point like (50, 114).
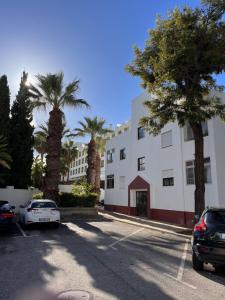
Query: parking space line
(183, 259)
(21, 230)
(181, 268)
(124, 238)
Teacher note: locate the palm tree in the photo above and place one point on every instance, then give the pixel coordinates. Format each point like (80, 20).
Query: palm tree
(100, 145)
(94, 129)
(69, 153)
(5, 158)
(37, 172)
(40, 144)
(50, 91)
(41, 136)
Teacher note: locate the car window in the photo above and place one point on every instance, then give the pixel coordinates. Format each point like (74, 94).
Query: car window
(216, 217)
(43, 205)
(5, 207)
(3, 202)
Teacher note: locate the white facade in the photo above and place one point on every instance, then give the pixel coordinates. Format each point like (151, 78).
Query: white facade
(165, 156)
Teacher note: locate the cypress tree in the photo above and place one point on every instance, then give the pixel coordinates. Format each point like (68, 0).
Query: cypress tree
(4, 106)
(21, 137)
(4, 122)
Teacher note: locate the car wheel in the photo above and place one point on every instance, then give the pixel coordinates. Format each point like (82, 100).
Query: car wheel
(56, 225)
(196, 263)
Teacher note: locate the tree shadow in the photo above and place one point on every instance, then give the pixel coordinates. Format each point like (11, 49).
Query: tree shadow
(130, 270)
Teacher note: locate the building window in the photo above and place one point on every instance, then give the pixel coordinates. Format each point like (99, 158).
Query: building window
(141, 163)
(168, 181)
(85, 168)
(166, 139)
(78, 170)
(102, 163)
(86, 159)
(110, 182)
(110, 156)
(82, 160)
(141, 133)
(123, 154)
(82, 169)
(207, 170)
(122, 182)
(188, 133)
(190, 171)
(167, 177)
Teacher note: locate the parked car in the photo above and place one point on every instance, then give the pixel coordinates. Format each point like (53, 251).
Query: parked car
(39, 211)
(208, 241)
(7, 216)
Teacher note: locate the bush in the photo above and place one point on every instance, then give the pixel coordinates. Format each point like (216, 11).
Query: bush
(82, 188)
(38, 196)
(77, 200)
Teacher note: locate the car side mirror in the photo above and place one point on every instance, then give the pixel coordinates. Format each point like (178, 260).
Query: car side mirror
(12, 206)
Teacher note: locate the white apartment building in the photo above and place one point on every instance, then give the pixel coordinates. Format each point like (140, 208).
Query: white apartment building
(154, 176)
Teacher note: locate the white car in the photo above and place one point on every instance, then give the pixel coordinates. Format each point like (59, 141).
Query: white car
(39, 211)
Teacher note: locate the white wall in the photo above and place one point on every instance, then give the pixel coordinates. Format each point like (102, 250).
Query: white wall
(65, 188)
(17, 197)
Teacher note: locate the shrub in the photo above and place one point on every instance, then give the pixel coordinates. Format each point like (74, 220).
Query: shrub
(77, 200)
(82, 188)
(38, 196)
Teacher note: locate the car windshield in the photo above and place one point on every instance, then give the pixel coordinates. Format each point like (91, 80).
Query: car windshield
(216, 216)
(43, 204)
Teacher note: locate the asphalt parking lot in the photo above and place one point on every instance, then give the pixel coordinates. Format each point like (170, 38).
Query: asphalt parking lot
(107, 258)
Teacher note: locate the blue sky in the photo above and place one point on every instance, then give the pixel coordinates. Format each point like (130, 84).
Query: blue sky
(87, 39)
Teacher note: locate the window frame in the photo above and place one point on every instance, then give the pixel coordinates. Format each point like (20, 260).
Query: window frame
(110, 181)
(110, 152)
(170, 181)
(207, 164)
(140, 132)
(163, 134)
(141, 166)
(122, 153)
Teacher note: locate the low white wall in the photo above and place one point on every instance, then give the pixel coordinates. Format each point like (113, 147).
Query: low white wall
(65, 188)
(17, 197)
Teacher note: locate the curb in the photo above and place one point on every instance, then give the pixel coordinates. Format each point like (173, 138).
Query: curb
(147, 226)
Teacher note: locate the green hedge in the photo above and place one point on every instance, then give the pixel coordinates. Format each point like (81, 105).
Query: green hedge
(75, 200)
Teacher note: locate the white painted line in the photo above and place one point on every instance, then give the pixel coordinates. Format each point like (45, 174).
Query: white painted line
(21, 230)
(125, 238)
(183, 259)
(181, 269)
(75, 228)
(180, 281)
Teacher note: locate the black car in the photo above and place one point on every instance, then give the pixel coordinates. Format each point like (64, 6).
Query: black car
(7, 216)
(208, 241)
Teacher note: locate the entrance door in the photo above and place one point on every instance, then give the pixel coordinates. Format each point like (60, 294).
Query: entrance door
(141, 203)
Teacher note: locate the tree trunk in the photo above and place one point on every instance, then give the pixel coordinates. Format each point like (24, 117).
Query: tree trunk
(98, 176)
(91, 170)
(52, 179)
(199, 170)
